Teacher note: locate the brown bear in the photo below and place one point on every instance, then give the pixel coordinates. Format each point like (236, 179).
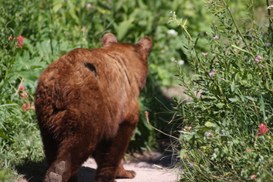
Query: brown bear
(87, 104)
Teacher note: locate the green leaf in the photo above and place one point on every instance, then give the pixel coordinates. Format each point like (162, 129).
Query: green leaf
(187, 137)
(251, 98)
(2, 135)
(234, 99)
(57, 5)
(220, 105)
(210, 124)
(232, 86)
(262, 107)
(123, 28)
(183, 153)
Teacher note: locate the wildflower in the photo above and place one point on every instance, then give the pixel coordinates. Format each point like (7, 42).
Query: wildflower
(212, 72)
(208, 134)
(88, 6)
(216, 37)
(258, 58)
(205, 53)
(262, 129)
(27, 106)
(20, 41)
(22, 91)
(21, 87)
(172, 32)
(24, 95)
(188, 128)
(253, 177)
(181, 62)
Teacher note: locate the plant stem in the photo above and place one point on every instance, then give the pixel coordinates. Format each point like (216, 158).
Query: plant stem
(270, 27)
(236, 26)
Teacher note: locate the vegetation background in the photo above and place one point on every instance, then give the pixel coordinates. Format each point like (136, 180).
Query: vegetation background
(219, 51)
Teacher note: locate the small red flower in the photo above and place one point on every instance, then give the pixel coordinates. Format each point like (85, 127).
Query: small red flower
(21, 87)
(24, 95)
(262, 129)
(258, 58)
(212, 72)
(20, 41)
(22, 91)
(253, 177)
(27, 106)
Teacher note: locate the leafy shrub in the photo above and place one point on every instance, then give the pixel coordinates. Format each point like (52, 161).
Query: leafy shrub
(231, 97)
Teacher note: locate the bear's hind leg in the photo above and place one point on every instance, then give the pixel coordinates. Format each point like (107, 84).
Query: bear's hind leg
(109, 154)
(50, 147)
(123, 173)
(70, 156)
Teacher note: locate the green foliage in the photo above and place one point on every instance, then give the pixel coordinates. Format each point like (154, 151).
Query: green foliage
(231, 95)
(5, 175)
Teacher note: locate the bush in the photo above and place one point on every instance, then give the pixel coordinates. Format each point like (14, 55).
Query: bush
(231, 97)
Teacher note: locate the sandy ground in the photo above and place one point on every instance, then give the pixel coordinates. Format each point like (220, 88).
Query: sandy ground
(144, 172)
(150, 167)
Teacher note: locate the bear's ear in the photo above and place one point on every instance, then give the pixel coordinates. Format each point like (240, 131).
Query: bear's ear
(145, 45)
(108, 39)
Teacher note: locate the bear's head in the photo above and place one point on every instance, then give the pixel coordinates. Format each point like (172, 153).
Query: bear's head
(135, 54)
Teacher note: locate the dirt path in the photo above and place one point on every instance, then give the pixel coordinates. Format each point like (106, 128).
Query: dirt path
(151, 167)
(145, 172)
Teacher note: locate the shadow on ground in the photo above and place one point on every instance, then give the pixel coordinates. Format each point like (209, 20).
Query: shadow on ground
(35, 171)
(146, 159)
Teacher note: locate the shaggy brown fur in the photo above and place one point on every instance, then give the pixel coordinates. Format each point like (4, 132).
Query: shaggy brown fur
(87, 104)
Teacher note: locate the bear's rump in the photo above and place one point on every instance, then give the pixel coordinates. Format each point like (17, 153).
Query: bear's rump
(93, 94)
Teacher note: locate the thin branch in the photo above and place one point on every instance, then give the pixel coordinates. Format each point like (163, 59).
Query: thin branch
(236, 26)
(148, 121)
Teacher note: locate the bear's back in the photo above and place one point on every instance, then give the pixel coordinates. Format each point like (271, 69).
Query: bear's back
(94, 83)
